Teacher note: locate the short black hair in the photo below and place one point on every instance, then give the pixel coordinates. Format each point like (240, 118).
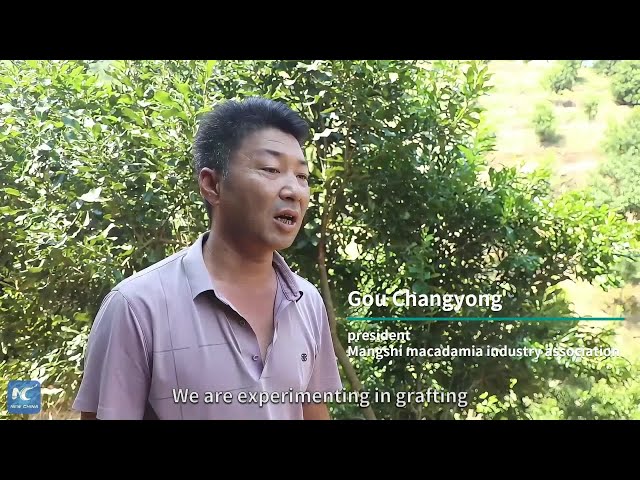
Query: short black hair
(223, 129)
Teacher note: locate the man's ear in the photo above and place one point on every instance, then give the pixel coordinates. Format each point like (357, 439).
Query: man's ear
(209, 181)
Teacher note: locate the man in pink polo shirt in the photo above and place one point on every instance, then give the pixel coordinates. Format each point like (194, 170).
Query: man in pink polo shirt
(222, 329)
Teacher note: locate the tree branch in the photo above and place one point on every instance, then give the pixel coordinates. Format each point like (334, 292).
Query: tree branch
(341, 353)
(343, 358)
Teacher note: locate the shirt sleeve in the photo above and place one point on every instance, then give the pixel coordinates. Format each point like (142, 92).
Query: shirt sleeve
(116, 378)
(325, 376)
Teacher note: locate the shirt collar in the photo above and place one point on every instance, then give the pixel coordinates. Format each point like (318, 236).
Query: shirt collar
(200, 280)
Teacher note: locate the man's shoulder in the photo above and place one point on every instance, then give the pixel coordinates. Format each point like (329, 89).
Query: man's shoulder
(310, 293)
(147, 281)
(306, 286)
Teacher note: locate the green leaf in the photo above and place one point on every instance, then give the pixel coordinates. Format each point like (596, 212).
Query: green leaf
(12, 191)
(105, 232)
(7, 80)
(325, 133)
(82, 317)
(133, 116)
(165, 98)
(173, 112)
(93, 195)
(209, 69)
(184, 89)
(71, 122)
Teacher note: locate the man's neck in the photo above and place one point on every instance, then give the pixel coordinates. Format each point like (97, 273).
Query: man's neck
(229, 264)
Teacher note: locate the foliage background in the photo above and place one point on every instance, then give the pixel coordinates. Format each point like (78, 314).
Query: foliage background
(96, 183)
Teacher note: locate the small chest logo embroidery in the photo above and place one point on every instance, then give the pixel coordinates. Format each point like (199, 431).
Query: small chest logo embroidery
(303, 357)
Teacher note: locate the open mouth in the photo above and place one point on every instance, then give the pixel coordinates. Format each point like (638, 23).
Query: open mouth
(286, 219)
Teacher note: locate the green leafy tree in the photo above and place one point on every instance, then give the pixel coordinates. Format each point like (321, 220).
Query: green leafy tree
(544, 123)
(625, 82)
(94, 187)
(562, 76)
(591, 399)
(391, 213)
(618, 180)
(606, 67)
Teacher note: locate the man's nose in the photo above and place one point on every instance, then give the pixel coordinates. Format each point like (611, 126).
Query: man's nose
(292, 189)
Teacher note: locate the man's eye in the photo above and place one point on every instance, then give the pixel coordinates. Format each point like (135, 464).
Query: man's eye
(270, 170)
(303, 177)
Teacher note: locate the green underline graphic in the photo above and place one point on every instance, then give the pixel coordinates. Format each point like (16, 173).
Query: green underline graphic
(483, 319)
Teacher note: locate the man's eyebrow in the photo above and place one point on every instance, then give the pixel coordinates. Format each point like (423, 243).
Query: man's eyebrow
(278, 154)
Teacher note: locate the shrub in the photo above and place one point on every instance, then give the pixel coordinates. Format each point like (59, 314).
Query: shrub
(625, 83)
(606, 67)
(619, 185)
(544, 122)
(591, 108)
(562, 76)
(622, 138)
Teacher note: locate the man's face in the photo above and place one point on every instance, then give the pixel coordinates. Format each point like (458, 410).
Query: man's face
(266, 194)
